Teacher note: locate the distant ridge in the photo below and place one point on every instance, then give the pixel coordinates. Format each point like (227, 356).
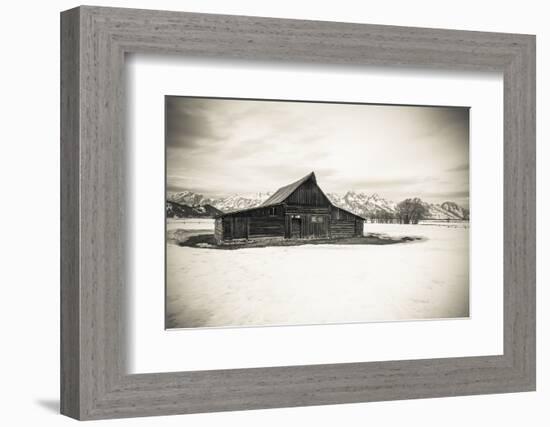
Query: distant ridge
(366, 205)
(176, 210)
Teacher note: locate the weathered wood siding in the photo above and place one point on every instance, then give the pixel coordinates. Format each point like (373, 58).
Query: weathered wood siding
(344, 224)
(266, 227)
(288, 221)
(235, 227)
(253, 223)
(257, 212)
(319, 210)
(307, 226)
(218, 230)
(228, 226)
(359, 223)
(308, 194)
(317, 226)
(341, 228)
(340, 214)
(240, 227)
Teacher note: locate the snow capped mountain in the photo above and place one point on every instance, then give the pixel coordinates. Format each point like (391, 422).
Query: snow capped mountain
(438, 212)
(237, 202)
(176, 210)
(374, 205)
(362, 204)
(188, 198)
(379, 203)
(454, 209)
(366, 205)
(226, 204)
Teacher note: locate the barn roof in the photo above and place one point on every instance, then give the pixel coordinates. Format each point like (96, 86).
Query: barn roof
(350, 212)
(284, 192)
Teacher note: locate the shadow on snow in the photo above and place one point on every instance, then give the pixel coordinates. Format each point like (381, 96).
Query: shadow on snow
(206, 241)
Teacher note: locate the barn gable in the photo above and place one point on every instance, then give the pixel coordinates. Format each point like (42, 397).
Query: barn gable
(305, 191)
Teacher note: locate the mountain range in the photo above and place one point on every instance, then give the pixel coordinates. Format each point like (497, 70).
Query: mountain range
(366, 205)
(177, 210)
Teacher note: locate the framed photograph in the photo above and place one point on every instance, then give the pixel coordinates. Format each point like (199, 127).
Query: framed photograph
(262, 213)
(238, 254)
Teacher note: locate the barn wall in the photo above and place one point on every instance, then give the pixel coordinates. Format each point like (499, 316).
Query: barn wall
(311, 226)
(359, 227)
(227, 228)
(318, 228)
(342, 228)
(257, 212)
(308, 194)
(218, 230)
(266, 227)
(319, 210)
(314, 219)
(250, 226)
(340, 214)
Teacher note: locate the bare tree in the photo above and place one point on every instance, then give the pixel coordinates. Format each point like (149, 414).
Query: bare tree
(411, 211)
(382, 216)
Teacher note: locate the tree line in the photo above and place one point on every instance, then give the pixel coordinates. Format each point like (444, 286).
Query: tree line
(408, 211)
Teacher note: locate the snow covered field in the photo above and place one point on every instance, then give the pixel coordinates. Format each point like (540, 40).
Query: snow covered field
(314, 284)
(190, 224)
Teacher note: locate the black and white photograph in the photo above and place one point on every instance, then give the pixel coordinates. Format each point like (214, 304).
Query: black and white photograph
(300, 212)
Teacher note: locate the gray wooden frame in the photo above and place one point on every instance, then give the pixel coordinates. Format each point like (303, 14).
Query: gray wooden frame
(94, 41)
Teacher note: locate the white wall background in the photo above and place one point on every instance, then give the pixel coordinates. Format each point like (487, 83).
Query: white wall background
(29, 232)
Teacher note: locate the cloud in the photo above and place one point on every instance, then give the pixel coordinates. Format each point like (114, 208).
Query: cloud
(189, 122)
(227, 146)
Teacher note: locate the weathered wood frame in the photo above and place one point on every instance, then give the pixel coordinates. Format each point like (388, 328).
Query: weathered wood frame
(94, 41)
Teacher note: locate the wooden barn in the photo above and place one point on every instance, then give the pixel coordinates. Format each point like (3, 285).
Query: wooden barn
(297, 211)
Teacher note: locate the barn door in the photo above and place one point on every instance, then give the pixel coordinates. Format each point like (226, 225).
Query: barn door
(296, 228)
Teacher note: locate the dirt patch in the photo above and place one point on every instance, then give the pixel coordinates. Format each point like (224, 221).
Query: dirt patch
(206, 241)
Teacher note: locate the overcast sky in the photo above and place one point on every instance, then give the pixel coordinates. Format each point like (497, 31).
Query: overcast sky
(220, 147)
